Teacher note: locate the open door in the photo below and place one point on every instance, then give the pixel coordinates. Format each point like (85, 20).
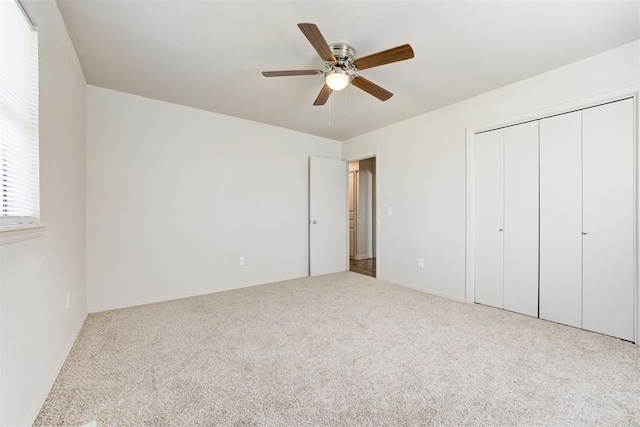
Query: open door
(328, 239)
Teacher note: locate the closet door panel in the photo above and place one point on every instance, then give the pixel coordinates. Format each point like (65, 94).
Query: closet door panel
(489, 194)
(561, 219)
(521, 218)
(608, 246)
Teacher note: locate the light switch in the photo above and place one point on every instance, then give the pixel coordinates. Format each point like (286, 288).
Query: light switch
(389, 211)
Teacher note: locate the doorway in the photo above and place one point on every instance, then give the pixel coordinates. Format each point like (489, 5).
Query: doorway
(362, 216)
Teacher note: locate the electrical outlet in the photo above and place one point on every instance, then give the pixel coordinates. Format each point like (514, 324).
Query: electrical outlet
(68, 299)
(241, 261)
(420, 262)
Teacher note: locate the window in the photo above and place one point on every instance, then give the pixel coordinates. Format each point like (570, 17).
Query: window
(19, 159)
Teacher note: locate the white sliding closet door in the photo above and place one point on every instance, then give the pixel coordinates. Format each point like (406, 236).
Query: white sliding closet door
(608, 186)
(521, 218)
(489, 209)
(561, 219)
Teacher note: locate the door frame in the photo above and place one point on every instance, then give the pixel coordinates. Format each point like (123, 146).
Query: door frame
(353, 192)
(628, 92)
(375, 155)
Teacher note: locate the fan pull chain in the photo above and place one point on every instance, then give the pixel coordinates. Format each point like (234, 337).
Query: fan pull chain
(346, 102)
(329, 111)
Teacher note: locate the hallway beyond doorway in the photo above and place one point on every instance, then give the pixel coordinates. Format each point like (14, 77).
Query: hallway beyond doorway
(363, 266)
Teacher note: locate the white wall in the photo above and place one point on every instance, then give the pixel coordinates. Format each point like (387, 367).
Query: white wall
(37, 330)
(421, 165)
(176, 195)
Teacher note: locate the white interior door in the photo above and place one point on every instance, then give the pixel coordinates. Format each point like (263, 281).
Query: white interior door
(608, 159)
(561, 219)
(521, 218)
(328, 216)
(489, 210)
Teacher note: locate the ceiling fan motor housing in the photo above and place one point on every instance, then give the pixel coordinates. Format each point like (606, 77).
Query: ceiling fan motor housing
(344, 55)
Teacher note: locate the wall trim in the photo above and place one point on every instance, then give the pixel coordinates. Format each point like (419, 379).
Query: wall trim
(636, 288)
(139, 302)
(33, 414)
(428, 291)
(363, 256)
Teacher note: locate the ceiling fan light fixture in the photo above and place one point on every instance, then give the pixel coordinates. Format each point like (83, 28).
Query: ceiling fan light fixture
(337, 79)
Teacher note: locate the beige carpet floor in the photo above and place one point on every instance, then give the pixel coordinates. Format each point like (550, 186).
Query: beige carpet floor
(341, 349)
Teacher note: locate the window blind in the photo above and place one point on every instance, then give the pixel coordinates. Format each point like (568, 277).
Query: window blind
(19, 158)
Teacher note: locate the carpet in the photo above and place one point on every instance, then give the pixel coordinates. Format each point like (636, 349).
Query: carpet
(340, 349)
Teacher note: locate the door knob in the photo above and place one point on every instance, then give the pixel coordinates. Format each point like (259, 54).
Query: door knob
(584, 233)
(313, 221)
(500, 229)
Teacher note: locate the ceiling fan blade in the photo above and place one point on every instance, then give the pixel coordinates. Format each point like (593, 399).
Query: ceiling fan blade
(371, 88)
(313, 34)
(395, 54)
(291, 73)
(324, 94)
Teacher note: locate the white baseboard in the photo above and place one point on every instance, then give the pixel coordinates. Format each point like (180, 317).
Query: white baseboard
(361, 257)
(145, 301)
(33, 414)
(429, 291)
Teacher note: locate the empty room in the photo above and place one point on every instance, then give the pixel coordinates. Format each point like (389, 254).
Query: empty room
(319, 213)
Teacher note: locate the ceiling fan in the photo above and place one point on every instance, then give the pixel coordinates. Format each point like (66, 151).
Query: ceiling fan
(342, 68)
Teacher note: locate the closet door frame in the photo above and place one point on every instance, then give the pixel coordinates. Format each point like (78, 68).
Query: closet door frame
(631, 92)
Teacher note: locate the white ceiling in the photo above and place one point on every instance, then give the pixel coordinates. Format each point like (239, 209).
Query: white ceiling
(209, 54)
